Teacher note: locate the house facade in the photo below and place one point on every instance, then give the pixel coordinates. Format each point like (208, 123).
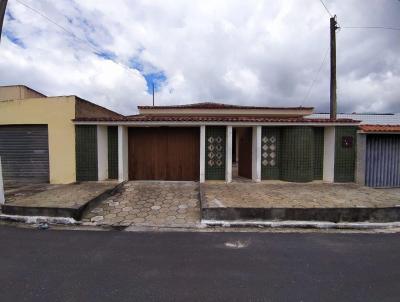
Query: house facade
(208, 141)
(378, 149)
(37, 135)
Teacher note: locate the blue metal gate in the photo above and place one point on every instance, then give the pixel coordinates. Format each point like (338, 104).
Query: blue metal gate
(383, 160)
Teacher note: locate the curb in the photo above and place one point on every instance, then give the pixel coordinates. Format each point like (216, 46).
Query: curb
(303, 224)
(39, 219)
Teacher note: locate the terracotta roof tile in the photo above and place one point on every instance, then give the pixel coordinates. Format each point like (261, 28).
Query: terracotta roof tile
(380, 128)
(238, 119)
(211, 105)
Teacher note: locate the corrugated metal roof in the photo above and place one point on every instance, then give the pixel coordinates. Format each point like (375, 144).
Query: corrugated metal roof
(370, 119)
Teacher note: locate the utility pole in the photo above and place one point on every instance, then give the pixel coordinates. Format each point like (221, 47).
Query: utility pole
(3, 5)
(333, 101)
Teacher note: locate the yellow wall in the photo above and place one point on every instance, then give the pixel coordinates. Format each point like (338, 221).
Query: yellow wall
(58, 113)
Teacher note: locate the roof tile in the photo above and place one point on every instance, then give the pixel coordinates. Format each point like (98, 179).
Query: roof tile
(380, 128)
(201, 118)
(211, 105)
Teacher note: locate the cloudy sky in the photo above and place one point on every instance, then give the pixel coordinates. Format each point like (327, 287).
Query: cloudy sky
(241, 52)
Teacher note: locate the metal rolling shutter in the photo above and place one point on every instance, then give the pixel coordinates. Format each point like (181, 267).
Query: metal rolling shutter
(24, 152)
(383, 161)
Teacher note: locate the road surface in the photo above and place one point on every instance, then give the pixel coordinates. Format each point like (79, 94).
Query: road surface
(127, 266)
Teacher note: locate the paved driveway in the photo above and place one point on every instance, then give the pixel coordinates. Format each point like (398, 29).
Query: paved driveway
(150, 204)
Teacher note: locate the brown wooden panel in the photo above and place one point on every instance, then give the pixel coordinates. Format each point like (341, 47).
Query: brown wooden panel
(164, 153)
(245, 152)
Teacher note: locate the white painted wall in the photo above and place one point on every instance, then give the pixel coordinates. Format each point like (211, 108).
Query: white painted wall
(2, 198)
(361, 158)
(329, 155)
(122, 153)
(202, 154)
(102, 152)
(256, 154)
(228, 160)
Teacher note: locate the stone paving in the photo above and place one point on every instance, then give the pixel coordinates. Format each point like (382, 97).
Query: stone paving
(151, 203)
(276, 194)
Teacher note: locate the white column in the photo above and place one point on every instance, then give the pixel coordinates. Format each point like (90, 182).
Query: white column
(122, 153)
(329, 155)
(2, 198)
(237, 146)
(102, 152)
(361, 158)
(228, 152)
(256, 154)
(202, 153)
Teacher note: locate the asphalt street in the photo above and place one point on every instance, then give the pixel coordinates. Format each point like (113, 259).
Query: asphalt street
(50, 265)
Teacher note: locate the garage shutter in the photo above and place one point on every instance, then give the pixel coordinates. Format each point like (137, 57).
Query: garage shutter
(164, 153)
(383, 161)
(24, 153)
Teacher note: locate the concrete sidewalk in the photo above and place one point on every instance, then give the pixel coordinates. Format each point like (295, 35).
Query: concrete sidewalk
(56, 200)
(297, 201)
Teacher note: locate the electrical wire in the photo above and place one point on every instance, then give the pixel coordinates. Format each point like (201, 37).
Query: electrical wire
(84, 41)
(326, 8)
(316, 76)
(371, 27)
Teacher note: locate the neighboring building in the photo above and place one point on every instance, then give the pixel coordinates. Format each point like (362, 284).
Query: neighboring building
(37, 135)
(378, 148)
(200, 141)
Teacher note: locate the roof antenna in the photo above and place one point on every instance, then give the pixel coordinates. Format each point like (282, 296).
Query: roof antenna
(153, 92)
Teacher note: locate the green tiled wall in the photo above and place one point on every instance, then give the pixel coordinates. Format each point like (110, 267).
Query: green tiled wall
(86, 152)
(345, 157)
(318, 152)
(270, 152)
(297, 154)
(215, 152)
(112, 152)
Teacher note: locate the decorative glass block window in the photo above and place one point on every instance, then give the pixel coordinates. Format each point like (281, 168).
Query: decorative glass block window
(270, 141)
(215, 152)
(269, 148)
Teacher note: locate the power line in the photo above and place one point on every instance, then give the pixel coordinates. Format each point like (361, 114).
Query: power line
(87, 43)
(327, 10)
(371, 27)
(316, 76)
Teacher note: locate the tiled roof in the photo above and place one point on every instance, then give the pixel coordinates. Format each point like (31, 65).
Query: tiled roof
(201, 118)
(380, 128)
(211, 105)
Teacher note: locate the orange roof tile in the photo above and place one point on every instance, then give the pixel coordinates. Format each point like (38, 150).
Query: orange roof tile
(380, 128)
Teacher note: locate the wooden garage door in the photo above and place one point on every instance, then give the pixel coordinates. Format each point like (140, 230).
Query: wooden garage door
(24, 153)
(164, 153)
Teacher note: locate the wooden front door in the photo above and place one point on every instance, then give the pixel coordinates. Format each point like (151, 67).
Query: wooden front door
(164, 153)
(245, 152)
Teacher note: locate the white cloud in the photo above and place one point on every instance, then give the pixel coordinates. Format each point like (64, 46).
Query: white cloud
(244, 52)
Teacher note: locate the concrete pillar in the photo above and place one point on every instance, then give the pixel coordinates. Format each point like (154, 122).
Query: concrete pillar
(237, 146)
(228, 151)
(2, 198)
(102, 152)
(256, 154)
(329, 155)
(361, 158)
(202, 154)
(122, 153)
